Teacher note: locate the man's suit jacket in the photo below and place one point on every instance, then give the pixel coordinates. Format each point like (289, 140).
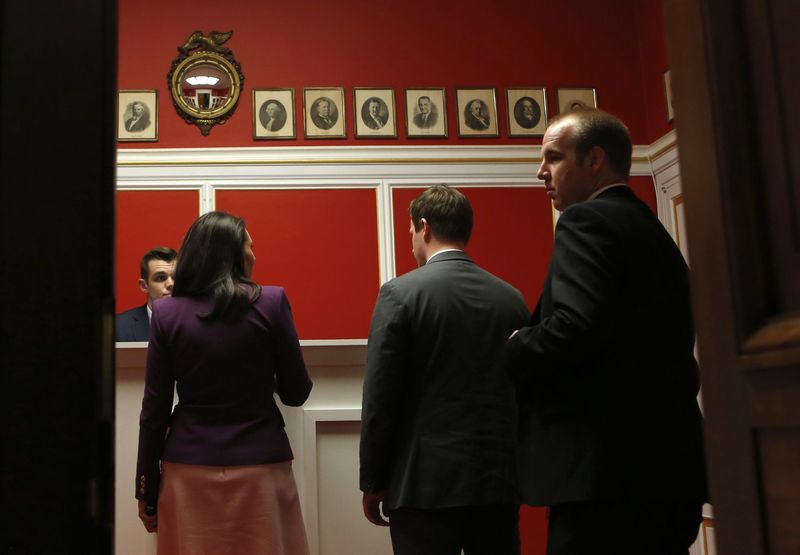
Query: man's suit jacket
(420, 121)
(607, 380)
(133, 324)
(139, 125)
(438, 413)
(322, 123)
(225, 373)
(374, 123)
(475, 123)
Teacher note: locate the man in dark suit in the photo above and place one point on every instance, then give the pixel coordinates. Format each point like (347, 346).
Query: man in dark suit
(139, 120)
(527, 112)
(322, 116)
(426, 117)
(373, 118)
(476, 118)
(610, 432)
(438, 412)
(157, 271)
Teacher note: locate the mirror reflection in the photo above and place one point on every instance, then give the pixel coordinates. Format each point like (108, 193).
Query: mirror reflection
(205, 81)
(204, 87)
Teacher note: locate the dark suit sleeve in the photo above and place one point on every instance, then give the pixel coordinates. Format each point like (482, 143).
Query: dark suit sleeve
(154, 418)
(579, 293)
(383, 385)
(291, 376)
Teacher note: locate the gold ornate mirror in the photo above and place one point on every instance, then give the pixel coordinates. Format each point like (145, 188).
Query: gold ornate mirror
(205, 80)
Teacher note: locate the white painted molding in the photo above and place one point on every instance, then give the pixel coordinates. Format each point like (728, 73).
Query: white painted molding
(311, 507)
(335, 166)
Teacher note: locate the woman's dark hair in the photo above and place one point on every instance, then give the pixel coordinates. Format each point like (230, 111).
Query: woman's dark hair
(211, 263)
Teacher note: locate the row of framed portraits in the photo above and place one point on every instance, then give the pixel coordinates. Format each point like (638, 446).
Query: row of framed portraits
(425, 112)
(375, 114)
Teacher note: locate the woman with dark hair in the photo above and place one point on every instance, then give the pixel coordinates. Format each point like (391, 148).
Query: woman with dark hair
(214, 475)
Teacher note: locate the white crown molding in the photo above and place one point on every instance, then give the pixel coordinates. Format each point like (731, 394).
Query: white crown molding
(304, 165)
(663, 152)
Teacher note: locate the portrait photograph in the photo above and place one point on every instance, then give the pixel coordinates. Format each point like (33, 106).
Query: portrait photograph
(477, 112)
(273, 114)
(374, 110)
(580, 97)
(426, 113)
(527, 111)
(137, 115)
(324, 113)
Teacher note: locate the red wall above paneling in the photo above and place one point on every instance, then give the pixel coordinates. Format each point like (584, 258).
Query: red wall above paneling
(321, 245)
(512, 236)
(147, 219)
(653, 47)
(414, 43)
(644, 187)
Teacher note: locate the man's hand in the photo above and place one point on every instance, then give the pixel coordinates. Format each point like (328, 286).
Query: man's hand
(373, 505)
(150, 521)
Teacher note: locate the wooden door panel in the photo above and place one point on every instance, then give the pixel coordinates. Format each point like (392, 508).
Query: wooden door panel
(734, 76)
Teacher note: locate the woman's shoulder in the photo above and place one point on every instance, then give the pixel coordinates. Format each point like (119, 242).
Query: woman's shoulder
(272, 291)
(271, 296)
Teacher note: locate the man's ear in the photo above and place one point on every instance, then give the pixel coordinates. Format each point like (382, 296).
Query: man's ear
(142, 285)
(426, 229)
(597, 158)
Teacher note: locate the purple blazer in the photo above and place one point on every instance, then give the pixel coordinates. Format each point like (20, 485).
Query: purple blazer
(226, 374)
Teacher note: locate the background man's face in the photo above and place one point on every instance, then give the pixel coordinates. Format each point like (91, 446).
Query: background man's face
(373, 108)
(161, 277)
(424, 105)
(567, 180)
(138, 110)
(323, 108)
(272, 110)
(476, 108)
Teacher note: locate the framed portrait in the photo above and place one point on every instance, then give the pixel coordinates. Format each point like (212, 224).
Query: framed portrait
(527, 111)
(668, 96)
(477, 112)
(324, 113)
(374, 112)
(137, 115)
(426, 113)
(569, 99)
(273, 114)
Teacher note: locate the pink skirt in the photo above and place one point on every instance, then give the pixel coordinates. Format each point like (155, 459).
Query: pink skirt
(236, 510)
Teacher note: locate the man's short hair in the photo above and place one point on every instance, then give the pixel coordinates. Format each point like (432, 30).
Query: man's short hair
(595, 127)
(447, 211)
(158, 253)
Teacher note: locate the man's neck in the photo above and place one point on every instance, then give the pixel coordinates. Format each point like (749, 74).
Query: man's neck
(435, 248)
(598, 190)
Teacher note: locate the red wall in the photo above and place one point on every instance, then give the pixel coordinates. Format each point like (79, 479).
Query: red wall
(415, 43)
(309, 242)
(653, 59)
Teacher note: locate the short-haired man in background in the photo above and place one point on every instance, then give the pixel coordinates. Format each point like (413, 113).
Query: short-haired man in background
(427, 116)
(611, 436)
(157, 271)
(373, 118)
(438, 411)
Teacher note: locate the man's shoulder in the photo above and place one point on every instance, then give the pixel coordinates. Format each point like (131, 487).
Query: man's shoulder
(134, 313)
